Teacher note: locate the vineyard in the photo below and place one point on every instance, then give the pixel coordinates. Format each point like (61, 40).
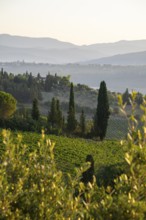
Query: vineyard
(43, 176)
(117, 128)
(70, 153)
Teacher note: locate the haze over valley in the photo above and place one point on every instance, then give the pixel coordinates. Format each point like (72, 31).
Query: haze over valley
(121, 64)
(48, 50)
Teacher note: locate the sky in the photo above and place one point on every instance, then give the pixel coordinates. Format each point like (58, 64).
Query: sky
(76, 21)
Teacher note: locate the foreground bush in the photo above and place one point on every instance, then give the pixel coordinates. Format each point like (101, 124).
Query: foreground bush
(32, 188)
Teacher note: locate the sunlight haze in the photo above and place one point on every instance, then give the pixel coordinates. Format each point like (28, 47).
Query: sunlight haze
(76, 21)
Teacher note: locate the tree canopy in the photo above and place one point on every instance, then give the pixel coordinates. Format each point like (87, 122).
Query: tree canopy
(7, 105)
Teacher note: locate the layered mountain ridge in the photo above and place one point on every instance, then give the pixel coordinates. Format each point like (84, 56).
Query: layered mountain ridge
(49, 50)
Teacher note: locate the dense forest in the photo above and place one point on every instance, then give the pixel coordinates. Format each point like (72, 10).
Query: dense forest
(25, 87)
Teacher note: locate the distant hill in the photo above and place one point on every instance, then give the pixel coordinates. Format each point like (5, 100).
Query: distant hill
(45, 50)
(39, 55)
(138, 58)
(32, 42)
(49, 50)
(120, 47)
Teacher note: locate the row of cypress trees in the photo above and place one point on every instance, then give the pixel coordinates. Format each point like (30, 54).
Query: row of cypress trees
(56, 120)
(55, 117)
(101, 116)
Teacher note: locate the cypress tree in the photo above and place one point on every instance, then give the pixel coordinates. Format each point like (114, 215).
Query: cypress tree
(71, 121)
(55, 116)
(35, 110)
(30, 80)
(82, 123)
(126, 97)
(63, 123)
(59, 115)
(52, 116)
(102, 112)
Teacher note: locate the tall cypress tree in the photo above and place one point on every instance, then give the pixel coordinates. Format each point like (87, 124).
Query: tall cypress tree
(52, 115)
(82, 123)
(71, 120)
(35, 110)
(59, 115)
(63, 123)
(102, 112)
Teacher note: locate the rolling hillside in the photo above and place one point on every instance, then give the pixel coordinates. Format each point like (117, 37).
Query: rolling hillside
(138, 58)
(48, 50)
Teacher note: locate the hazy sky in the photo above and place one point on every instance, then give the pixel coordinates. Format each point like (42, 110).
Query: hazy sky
(76, 21)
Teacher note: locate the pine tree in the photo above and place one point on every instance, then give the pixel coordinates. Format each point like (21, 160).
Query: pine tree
(102, 112)
(82, 123)
(71, 121)
(35, 110)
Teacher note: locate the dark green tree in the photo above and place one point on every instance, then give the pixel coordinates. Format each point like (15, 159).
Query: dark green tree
(87, 175)
(126, 97)
(30, 80)
(139, 98)
(71, 120)
(82, 123)
(63, 123)
(35, 110)
(52, 116)
(102, 112)
(59, 115)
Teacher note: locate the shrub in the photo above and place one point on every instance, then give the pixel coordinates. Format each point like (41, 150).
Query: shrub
(7, 105)
(32, 188)
(30, 185)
